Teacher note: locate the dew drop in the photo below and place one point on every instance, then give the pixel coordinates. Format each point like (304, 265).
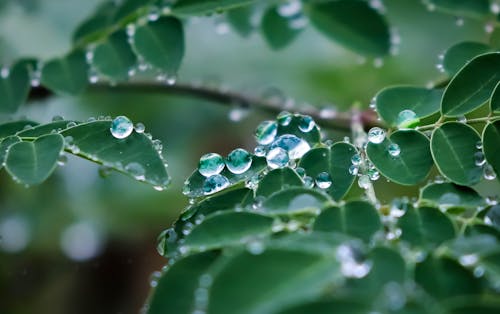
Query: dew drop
(266, 132)
(356, 159)
(488, 172)
(238, 161)
(350, 266)
(376, 135)
(479, 159)
(300, 171)
(353, 170)
(407, 119)
(121, 127)
(210, 164)
(364, 181)
(296, 147)
(71, 124)
(462, 119)
(323, 180)
(378, 62)
(489, 27)
(394, 150)
(256, 247)
(57, 118)
(308, 182)
(479, 145)
(277, 158)
(237, 114)
(459, 21)
(62, 160)
(373, 174)
(259, 151)
(139, 127)
(306, 124)
(215, 184)
(136, 170)
(468, 259)
(104, 171)
(284, 118)
(290, 8)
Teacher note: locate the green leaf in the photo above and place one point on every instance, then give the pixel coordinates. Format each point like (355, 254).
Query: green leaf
(272, 280)
(358, 219)
(67, 75)
(134, 155)
(277, 180)
(42, 129)
(93, 27)
(425, 226)
(32, 163)
(295, 201)
(11, 128)
(472, 85)
(5, 144)
(468, 306)
(459, 54)
(495, 99)
(175, 291)
(445, 195)
(491, 145)
(202, 7)
(353, 24)
(413, 163)
(227, 228)
(335, 160)
(161, 43)
(340, 305)
(14, 88)
(474, 8)
(277, 30)
(127, 8)
(493, 216)
(114, 58)
(481, 229)
(453, 146)
(443, 278)
(193, 187)
(423, 102)
(240, 20)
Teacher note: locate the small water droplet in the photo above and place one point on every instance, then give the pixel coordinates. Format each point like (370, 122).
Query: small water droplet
(215, 184)
(154, 13)
(373, 174)
(121, 127)
(300, 171)
(479, 159)
(290, 8)
(284, 118)
(266, 132)
(237, 114)
(323, 180)
(478, 271)
(495, 8)
(71, 124)
(356, 159)
(364, 181)
(130, 30)
(308, 182)
(256, 247)
(62, 160)
(407, 119)
(468, 259)
(376, 135)
(462, 119)
(306, 124)
(489, 27)
(259, 151)
(57, 118)
(353, 170)
(277, 158)
(210, 164)
(479, 145)
(489, 172)
(459, 21)
(394, 149)
(136, 170)
(238, 161)
(139, 127)
(351, 266)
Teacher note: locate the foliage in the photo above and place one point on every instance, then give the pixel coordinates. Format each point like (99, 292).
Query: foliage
(285, 229)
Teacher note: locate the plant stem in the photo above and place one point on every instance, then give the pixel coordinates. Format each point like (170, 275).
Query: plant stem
(469, 121)
(327, 118)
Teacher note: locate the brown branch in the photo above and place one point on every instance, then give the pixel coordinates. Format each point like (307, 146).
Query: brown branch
(329, 119)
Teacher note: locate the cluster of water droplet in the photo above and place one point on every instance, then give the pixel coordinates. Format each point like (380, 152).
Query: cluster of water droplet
(480, 161)
(352, 263)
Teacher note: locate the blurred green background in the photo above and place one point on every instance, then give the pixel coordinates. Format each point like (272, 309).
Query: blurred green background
(83, 244)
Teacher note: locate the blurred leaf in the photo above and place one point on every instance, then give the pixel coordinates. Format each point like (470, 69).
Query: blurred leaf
(459, 54)
(453, 146)
(491, 145)
(175, 291)
(443, 278)
(463, 7)
(5, 144)
(481, 229)
(240, 20)
(493, 216)
(11, 128)
(335, 160)
(134, 155)
(425, 226)
(272, 280)
(161, 43)
(295, 200)
(472, 85)
(358, 219)
(277, 180)
(114, 58)
(449, 194)
(277, 29)
(339, 305)
(413, 163)
(14, 88)
(495, 99)
(92, 28)
(126, 8)
(202, 7)
(67, 75)
(32, 163)
(353, 24)
(423, 102)
(227, 228)
(477, 306)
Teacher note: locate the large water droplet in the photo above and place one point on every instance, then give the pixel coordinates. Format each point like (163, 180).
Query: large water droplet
(238, 161)
(407, 119)
(323, 180)
(266, 132)
(215, 184)
(394, 150)
(296, 147)
(210, 164)
(121, 127)
(277, 158)
(306, 124)
(376, 135)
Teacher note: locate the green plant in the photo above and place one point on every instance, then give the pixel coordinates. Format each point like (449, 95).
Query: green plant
(286, 229)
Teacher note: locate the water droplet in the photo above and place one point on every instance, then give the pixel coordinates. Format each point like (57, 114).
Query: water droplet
(394, 150)
(356, 159)
(290, 8)
(104, 171)
(479, 159)
(495, 8)
(266, 132)
(407, 119)
(462, 119)
(256, 247)
(130, 30)
(136, 170)
(300, 171)
(296, 147)
(373, 174)
(468, 259)
(323, 180)
(308, 182)
(364, 181)
(489, 27)
(215, 184)
(57, 118)
(488, 172)
(221, 27)
(237, 114)
(4, 72)
(277, 158)
(238, 161)
(350, 265)
(354, 170)
(71, 124)
(378, 62)
(479, 145)
(121, 127)
(478, 271)
(154, 13)
(259, 151)
(459, 21)
(139, 127)
(62, 160)
(306, 124)
(397, 210)
(210, 164)
(284, 118)
(376, 135)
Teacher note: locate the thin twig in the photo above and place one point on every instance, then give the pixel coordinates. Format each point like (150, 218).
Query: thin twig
(326, 118)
